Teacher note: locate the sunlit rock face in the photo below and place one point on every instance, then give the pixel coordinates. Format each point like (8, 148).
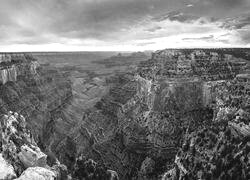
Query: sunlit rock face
(6, 170)
(9, 74)
(32, 156)
(14, 65)
(37, 173)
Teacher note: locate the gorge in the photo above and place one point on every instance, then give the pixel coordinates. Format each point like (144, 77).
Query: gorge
(161, 119)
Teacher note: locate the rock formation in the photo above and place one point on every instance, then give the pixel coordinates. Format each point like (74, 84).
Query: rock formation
(37, 173)
(20, 155)
(6, 170)
(34, 91)
(147, 113)
(146, 126)
(30, 141)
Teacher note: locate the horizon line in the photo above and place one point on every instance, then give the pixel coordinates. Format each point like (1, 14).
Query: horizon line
(82, 51)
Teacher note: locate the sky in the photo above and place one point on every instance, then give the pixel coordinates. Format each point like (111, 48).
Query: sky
(122, 25)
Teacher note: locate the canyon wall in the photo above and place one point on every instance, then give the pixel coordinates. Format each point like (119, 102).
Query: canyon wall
(32, 90)
(136, 128)
(146, 113)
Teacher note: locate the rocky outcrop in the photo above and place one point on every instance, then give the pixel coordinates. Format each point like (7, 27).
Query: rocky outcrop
(36, 92)
(14, 65)
(21, 157)
(32, 156)
(6, 170)
(220, 149)
(37, 173)
(217, 152)
(8, 74)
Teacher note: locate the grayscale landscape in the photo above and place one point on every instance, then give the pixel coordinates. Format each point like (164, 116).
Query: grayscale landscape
(125, 90)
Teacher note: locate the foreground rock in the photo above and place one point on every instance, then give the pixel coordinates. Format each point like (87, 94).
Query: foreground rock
(32, 156)
(21, 156)
(6, 170)
(37, 173)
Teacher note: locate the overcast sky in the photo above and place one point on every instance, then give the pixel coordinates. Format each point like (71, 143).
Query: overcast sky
(96, 25)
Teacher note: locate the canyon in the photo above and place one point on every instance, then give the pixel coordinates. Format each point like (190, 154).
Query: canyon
(142, 122)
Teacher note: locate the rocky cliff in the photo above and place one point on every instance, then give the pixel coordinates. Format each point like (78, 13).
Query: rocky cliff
(32, 90)
(42, 94)
(139, 126)
(21, 157)
(221, 149)
(141, 122)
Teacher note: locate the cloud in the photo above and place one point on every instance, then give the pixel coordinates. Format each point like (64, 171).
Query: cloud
(99, 19)
(113, 23)
(153, 29)
(244, 36)
(176, 16)
(207, 38)
(237, 22)
(228, 3)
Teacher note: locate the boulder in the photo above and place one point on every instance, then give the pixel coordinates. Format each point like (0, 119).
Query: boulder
(6, 170)
(147, 166)
(31, 157)
(37, 173)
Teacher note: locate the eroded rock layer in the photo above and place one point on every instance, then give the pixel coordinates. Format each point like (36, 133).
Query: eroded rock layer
(220, 150)
(146, 113)
(32, 90)
(138, 127)
(42, 95)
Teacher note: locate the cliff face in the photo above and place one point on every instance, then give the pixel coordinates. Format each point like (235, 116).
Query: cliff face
(220, 150)
(16, 65)
(32, 90)
(43, 95)
(146, 113)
